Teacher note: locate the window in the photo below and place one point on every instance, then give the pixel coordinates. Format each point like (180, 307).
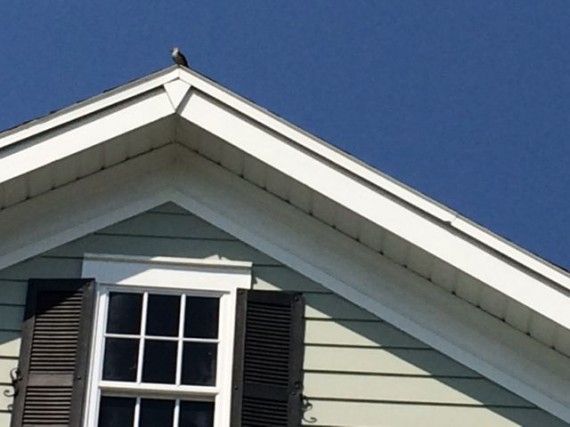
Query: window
(164, 335)
(127, 348)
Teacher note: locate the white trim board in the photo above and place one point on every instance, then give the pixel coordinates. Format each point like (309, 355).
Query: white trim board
(110, 123)
(474, 259)
(355, 168)
(419, 308)
(168, 272)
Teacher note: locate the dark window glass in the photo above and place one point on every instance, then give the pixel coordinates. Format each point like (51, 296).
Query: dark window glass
(196, 414)
(124, 315)
(121, 359)
(159, 361)
(162, 315)
(156, 413)
(199, 363)
(116, 411)
(201, 319)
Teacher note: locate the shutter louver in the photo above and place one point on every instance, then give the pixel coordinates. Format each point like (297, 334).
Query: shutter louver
(54, 353)
(268, 360)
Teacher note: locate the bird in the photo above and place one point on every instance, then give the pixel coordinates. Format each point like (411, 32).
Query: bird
(178, 58)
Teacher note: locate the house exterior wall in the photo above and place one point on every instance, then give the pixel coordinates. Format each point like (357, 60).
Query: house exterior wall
(359, 370)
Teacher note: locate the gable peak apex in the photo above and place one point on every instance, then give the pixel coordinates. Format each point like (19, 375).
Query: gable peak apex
(177, 90)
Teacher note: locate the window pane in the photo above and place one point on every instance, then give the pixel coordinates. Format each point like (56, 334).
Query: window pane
(159, 361)
(201, 319)
(121, 359)
(162, 315)
(199, 363)
(196, 414)
(124, 315)
(156, 413)
(116, 412)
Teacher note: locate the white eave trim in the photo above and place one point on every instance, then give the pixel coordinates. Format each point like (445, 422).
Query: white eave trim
(454, 327)
(87, 107)
(346, 164)
(110, 123)
(311, 162)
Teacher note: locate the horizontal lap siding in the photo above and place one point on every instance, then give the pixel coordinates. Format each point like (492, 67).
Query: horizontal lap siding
(359, 370)
(326, 413)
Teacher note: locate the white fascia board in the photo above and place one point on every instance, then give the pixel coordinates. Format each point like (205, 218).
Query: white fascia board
(510, 250)
(89, 106)
(411, 225)
(354, 167)
(176, 174)
(108, 124)
(297, 136)
(387, 290)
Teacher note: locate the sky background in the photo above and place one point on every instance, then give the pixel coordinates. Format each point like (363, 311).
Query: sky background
(465, 101)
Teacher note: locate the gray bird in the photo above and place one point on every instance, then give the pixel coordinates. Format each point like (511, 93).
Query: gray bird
(178, 57)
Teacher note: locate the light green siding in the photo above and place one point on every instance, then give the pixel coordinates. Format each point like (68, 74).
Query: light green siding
(359, 370)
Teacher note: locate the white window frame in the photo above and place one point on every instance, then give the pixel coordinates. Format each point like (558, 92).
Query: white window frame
(201, 277)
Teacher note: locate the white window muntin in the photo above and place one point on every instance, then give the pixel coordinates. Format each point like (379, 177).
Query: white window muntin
(166, 275)
(205, 391)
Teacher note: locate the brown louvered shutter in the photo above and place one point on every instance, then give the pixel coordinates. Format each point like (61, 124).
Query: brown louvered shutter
(268, 360)
(54, 353)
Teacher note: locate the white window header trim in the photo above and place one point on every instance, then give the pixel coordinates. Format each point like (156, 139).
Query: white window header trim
(168, 272)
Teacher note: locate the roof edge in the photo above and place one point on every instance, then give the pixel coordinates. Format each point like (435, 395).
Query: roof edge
(382, 182)
(319, 148)
(90, 105)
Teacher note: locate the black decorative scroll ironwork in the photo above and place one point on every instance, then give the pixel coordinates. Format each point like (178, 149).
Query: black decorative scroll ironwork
(15, 377)
(305, 407)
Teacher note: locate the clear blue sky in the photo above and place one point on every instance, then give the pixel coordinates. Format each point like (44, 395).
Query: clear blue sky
(466, 101)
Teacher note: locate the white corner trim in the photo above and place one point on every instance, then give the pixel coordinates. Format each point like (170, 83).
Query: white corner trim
(176, 91)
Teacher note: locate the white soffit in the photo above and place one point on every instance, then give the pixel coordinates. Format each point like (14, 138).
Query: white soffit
(174, 173)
